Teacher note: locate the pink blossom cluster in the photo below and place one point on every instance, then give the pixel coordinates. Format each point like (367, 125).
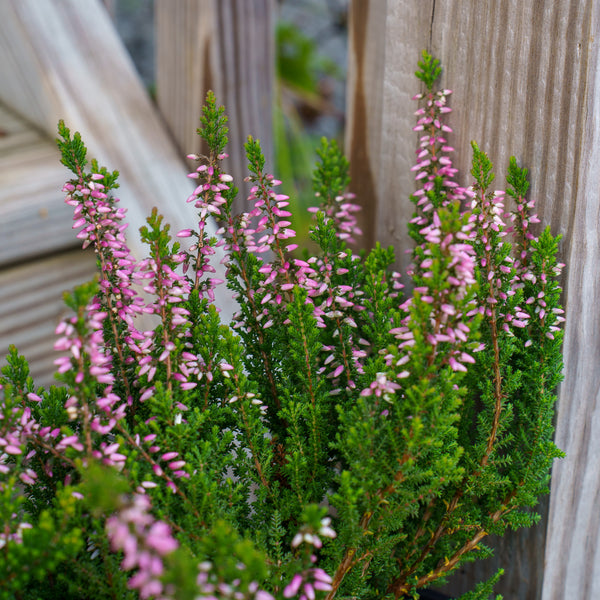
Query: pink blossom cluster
(535, 304)
(450, 309)
(265, 232)
(335, 304)
(310, 537)
(169, 290)
(88, 359)
(15, 536)
(100, 221)
(17, 427)
(342, 210)
(522, 219)
(144, 542)
(307, 584)
(502, 279)
(311, 579)
(433, 158)
(209, 200)
(168, 465)
(382, 387)
(97, 213)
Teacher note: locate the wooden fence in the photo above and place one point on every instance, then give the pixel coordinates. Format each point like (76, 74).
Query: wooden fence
(525, 75)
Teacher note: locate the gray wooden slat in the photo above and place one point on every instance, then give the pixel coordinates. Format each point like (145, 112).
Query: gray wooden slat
(31, 306)
(63, 59)
(14, 132)
(34, 219)
(525, 81)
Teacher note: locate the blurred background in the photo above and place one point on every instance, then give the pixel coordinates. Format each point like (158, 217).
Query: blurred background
(311, 44)
(131, 75)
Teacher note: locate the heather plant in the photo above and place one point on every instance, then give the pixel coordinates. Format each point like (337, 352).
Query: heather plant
(352, 432)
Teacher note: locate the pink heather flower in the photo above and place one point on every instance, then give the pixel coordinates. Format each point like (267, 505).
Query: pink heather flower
(381, 387)
(455, 365)
(293, 587)
(144, 541)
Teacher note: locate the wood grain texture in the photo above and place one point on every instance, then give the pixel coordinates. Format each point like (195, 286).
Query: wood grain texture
(34, 220)
(364, 101)
(385, 37)
(31, 307)
(63, 59)
(185, 66)
(226, 46)
(525, 80)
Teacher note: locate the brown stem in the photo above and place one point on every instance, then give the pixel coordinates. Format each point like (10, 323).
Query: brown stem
(498, 396)
(165, 319)
(347, 563)
(399, 587)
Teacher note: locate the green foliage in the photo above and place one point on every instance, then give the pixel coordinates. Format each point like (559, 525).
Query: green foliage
(298, 62)
(429, 70)
(214, 125)
(483, 590)
(72, 149)
(331, 177)
(414, 422)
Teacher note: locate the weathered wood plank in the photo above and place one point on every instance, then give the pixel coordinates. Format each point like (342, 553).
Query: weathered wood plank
(31, 306)
(525, 76)
(526, 83)
(34, 219)
(185, 65)
(63, 59)
(364, 107)
(226, 46)
(385, 38)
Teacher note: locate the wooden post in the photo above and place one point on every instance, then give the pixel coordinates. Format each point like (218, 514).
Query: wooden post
(364, 101)
(226, 46)
(526, 79)
(384, 41)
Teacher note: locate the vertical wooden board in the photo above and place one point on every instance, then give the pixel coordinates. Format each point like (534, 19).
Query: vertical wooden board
(246, 58)
(364, 101)
(185, 65)
(407, 33)
(525, 84)
(525, 76)
(226, 46)
(573, 546)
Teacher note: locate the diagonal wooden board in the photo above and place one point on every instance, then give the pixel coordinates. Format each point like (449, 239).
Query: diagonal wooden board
(63, 59)
(34, 219)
